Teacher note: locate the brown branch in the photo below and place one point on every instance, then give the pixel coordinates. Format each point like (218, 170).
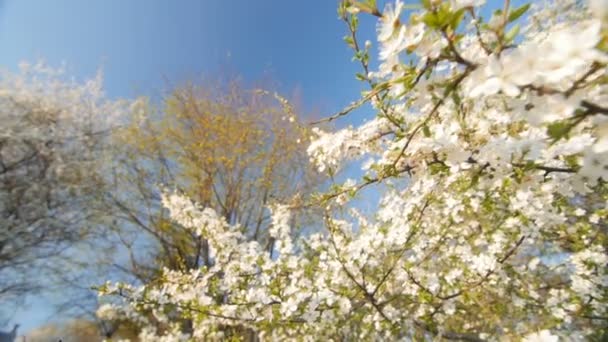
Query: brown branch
(354, 105)
(434, 110)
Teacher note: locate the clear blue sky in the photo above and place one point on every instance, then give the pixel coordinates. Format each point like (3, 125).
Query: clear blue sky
(138, 42)
(142, 43)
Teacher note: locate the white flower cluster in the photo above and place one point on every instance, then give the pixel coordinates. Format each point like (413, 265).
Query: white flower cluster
(53, 138)
(499, 231)
(280, 230)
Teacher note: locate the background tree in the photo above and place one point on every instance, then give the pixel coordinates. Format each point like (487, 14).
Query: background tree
(51, 138)
(233, 149)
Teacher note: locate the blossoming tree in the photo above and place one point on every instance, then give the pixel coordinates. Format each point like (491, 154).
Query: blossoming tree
(492, 138)
(51, 138)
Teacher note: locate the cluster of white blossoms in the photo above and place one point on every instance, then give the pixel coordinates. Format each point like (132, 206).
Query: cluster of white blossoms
(60, 118)
(52, 131)
(48, 91)
(499, 231)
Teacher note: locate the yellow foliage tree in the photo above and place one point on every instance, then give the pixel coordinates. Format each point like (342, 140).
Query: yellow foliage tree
(232, 149)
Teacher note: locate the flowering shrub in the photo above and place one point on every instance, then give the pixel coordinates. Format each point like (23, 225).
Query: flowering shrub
(500, 128)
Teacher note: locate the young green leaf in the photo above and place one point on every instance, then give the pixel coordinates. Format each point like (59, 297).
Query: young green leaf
(518, 12)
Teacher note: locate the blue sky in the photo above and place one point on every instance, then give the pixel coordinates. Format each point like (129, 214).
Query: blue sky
(142, 44)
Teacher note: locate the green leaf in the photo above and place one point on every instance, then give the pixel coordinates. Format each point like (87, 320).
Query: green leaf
(354, 22)
(558, 130)
(363, 7)
(456, 99)
(350, 41)
(342, 9)
(457, 18)
(426, 131)
(512, 33)
(444, 15)
(438, 19)
(518, 12)
(572, 162)
(431, 20)
(474, 180)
